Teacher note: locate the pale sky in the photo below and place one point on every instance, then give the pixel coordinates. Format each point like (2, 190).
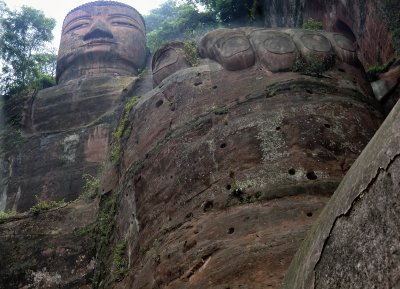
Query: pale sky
(59, 9)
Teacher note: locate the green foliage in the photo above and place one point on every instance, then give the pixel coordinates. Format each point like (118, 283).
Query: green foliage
(373, 70)
(7, 214)
(314, 65)
(227, 11)
(91, 186)
(102, 232)
(255, 10)
(119, 261)
(312, 24)
(235, 188)
(45, 205)
(23, 38)
(220, 110)
(191, 55)
(172, 20)
(121, 131)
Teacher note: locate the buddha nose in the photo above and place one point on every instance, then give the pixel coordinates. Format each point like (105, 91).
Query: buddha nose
(98, 30)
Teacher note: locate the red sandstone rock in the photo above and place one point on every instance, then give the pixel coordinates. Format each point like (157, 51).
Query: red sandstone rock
(221, 184)
(354, 243)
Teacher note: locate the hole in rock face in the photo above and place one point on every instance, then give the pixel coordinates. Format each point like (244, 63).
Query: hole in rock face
(327, 125)
(309, 214)
(341, 70)
(231, 230)
(223, 145)
(228, 187)
(278, 128)
(215, 87)
(311, 175)
(188, 215)
(292, 171)
(159, 103)
(343, 28)
(309, 91)
(208, 206)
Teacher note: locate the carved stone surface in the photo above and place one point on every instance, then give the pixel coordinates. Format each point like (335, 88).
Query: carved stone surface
(76, 103)
(168, 59)
(48, 250)
(224, 166)
(67, 128)
(224, 171)
(276, 50)
(101, 37)
(355, 242)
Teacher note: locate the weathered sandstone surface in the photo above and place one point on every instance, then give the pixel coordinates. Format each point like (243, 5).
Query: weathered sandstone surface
(219, 185)
(355, 242)
(217, 173)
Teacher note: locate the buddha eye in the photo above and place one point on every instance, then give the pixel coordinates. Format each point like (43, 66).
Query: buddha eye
(77, 27)
(123, 23)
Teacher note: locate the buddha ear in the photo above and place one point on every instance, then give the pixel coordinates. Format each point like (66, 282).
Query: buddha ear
(229, 47)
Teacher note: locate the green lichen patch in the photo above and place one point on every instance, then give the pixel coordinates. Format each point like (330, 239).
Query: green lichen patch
(374, 70)
(102, 232)
(120, 261)
(312, 24)
(121, 132)
(45, 205)
(91, 187)
(314, 64)
(220, 110)
(7, 214)
(191, 54)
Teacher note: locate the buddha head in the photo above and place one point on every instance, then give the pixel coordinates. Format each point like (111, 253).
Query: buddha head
(101, 37)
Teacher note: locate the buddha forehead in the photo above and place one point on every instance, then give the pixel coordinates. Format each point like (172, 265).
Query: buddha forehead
(105, 12)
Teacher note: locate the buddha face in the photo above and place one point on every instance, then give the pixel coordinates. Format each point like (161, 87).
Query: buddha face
(101, 39)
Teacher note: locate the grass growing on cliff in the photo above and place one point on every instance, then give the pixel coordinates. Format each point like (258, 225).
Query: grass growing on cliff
(312, 24)
(102, 231)
(7, 214)
(236, 190)
(45, 205)
(373, 70)
(314, 65)
(121, 131)
(119, 261)
(91, 186)
(191, 55)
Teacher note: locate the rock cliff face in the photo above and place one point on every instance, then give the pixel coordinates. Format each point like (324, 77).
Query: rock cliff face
(213, 177)
(50, 250)
(66, 135)
(359, 20)
(354, 243)
(218, 186)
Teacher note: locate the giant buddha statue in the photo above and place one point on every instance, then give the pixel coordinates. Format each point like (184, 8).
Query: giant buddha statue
(223, 165)
(101, 37)
(230, 160)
